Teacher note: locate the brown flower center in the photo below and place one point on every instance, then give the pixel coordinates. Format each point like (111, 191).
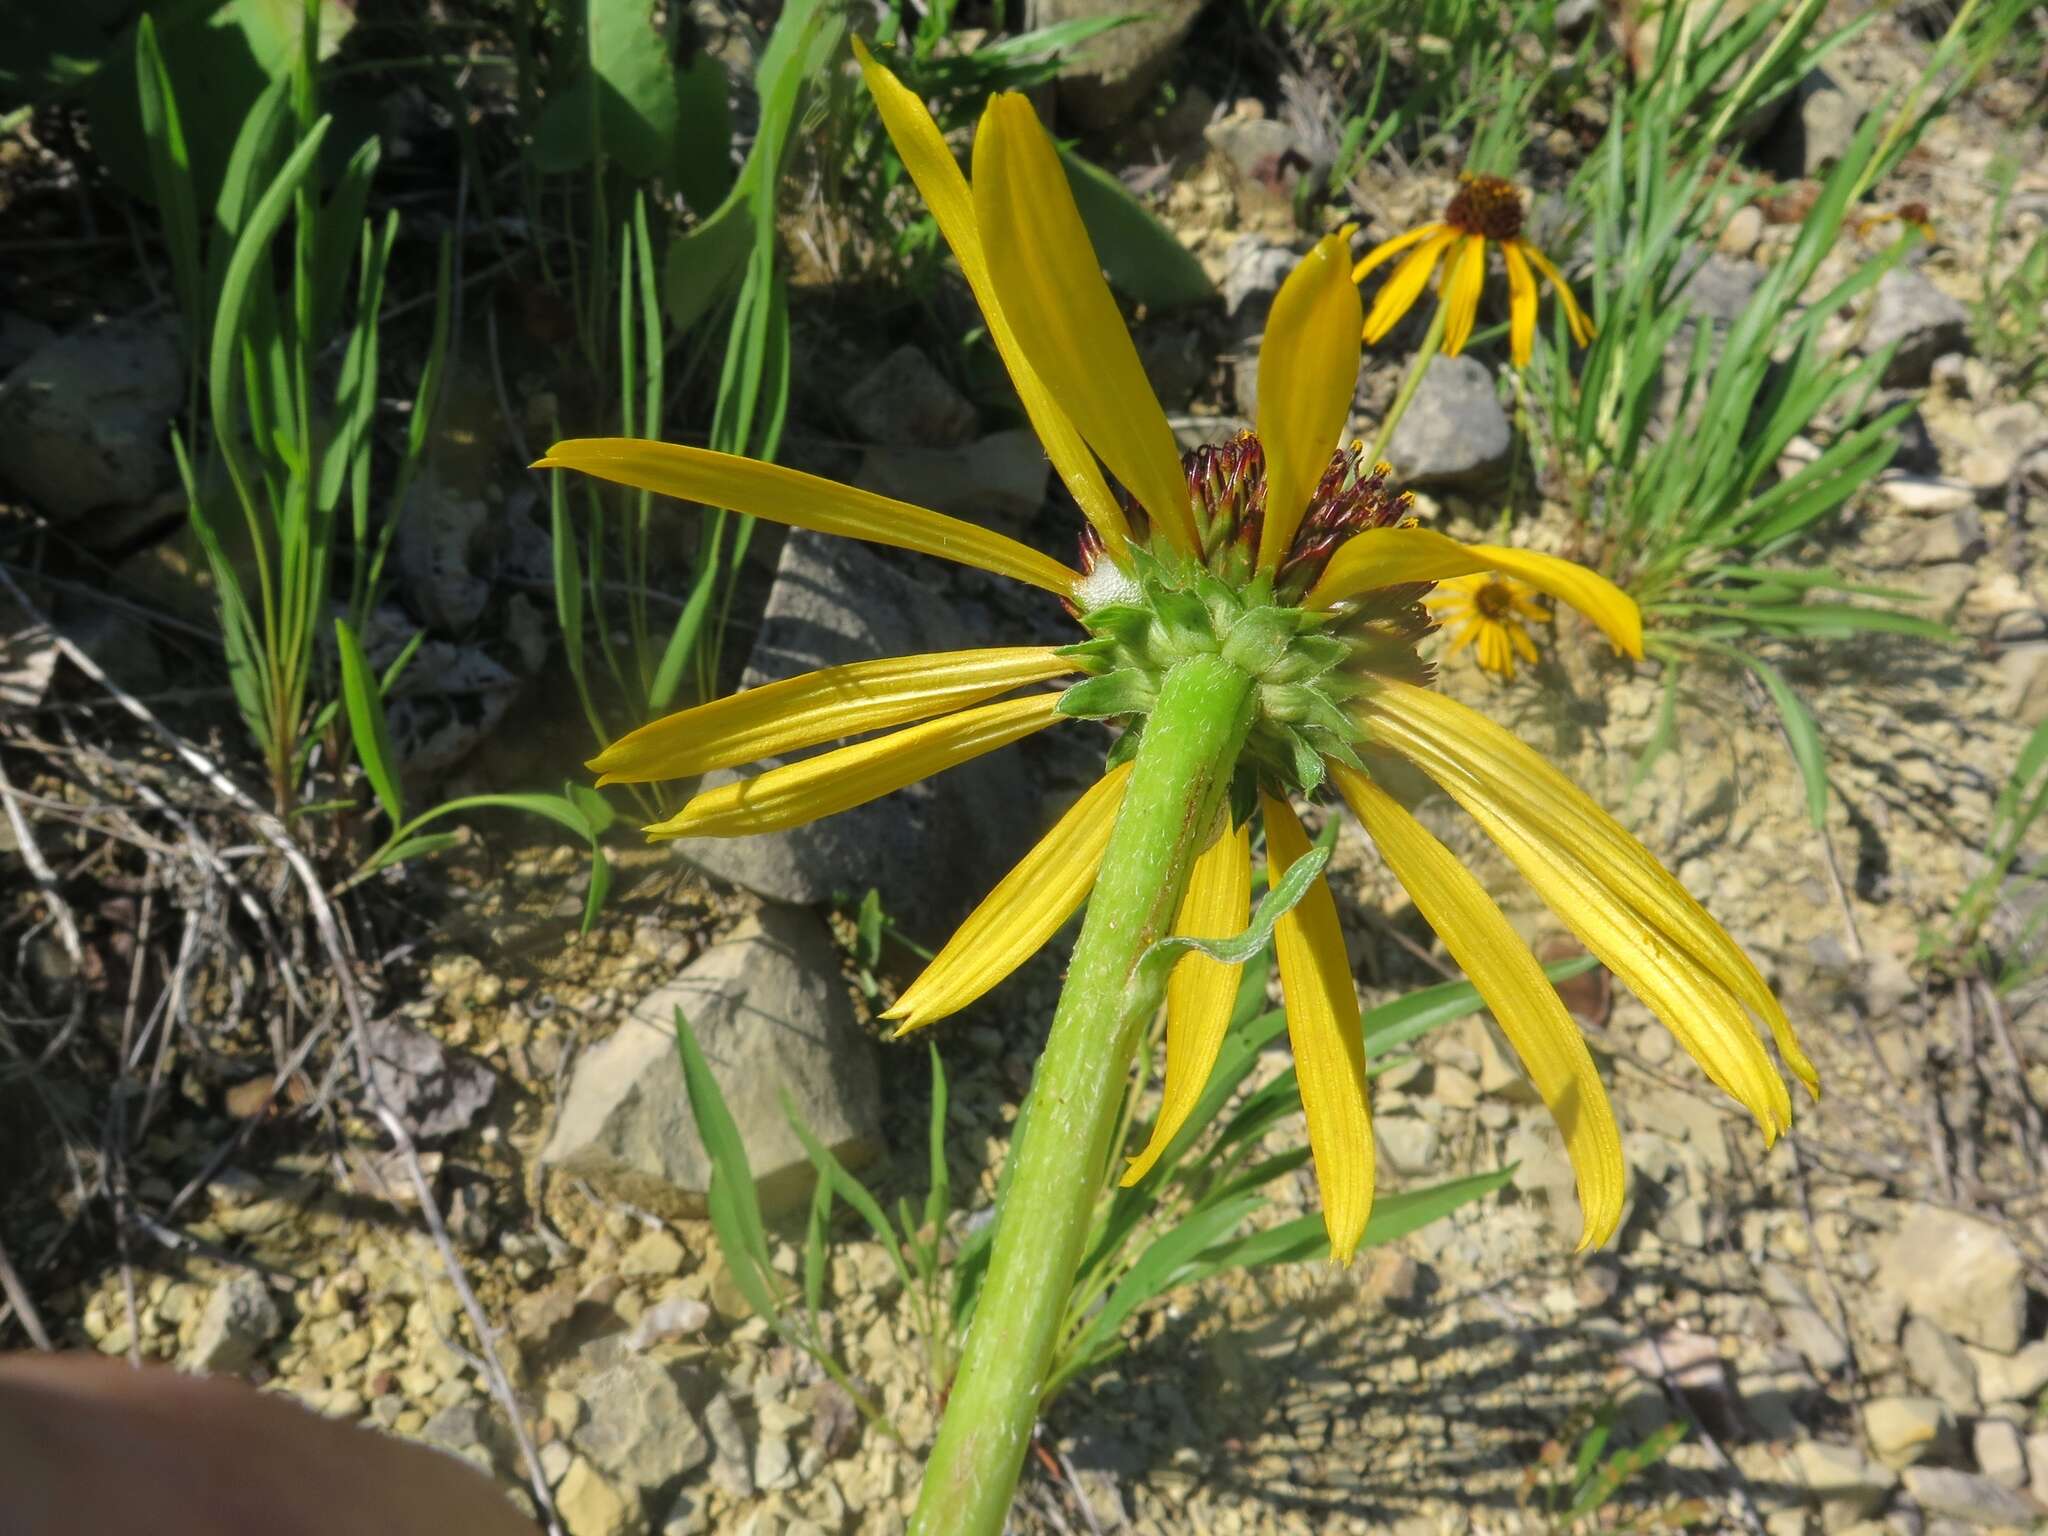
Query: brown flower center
(1495, 600)
(1485, 205)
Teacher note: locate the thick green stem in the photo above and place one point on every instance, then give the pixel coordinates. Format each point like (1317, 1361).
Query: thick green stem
(1177, 785)
(1405, 396)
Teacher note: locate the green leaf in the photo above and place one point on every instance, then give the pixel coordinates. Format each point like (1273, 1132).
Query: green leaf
(1394, 1216)
(1410, 1017)
(1801, 734)
(1126, 691)
(939, 1197)
(831, 1171)
(703, 168)
(170, 169)
(556, 808)
(364, 700)
(720, 1134)
(1142, 258)
(423, 846)
(1273, 906)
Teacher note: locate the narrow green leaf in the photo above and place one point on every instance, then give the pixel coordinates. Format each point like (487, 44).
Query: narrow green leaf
(720, 1135)
(364, 700)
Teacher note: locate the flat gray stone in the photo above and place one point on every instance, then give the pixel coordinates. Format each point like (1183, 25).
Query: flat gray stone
(1969, 1497)
(1454, 432)
(1936, 1361)
(1924, 322)
(932, 848)
(1962, 1274)
(85, 419)
(1253, 269)
(1108, 76)
(997, 481)
(905, 402)
(770, 1012)
(240, 1318)
(436, 1091)
(638, 1430)
(1815, 128)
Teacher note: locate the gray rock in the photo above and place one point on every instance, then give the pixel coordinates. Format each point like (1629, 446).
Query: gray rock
(771, 1013)
(2015, 1378)
(1410, 1144)
(1968, 1497)
(240, 1318)
(1961, 1274)
(1923, 321)
(732, 1468)
(639, 1432)
(436, 1091)
(1815, 1338)
(474, 1431)
(2000, 1455)
(1936, 1361)
(1254, 268)
(1954, 536)
(1455, 432)
(1844, 1481)
(85, 420)
(447, 553)
(2037, 1467)
(1721, 287)
(2023, 670)
(930, 848)
(1263, 160)
(1815, 129)
(1105, 78)
(20, 339)
(904, 402)
(998, 482)
(1902, 1430)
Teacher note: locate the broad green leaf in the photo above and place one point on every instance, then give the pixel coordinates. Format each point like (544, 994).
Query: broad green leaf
(1141, 257)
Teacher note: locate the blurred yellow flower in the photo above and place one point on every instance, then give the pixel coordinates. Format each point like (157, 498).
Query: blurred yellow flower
(1490, 615)
(1483, 208)
(1913, 215)
(1283, 555)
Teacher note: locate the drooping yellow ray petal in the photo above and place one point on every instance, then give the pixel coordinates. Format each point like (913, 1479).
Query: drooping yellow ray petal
(1308, 372)
(1023, 912)
(837, 781)
(1690, 999)
(1399, 292)
(1499, 964)
(1050, 288)
(1575, 317)
(944, 189)
(798, 500)
(1385, 557)
(1386, 250)
(1521, 303)
(1464, 277)
(1200, 992)
(819, 706)
(1324, 1029)
(1538, 793)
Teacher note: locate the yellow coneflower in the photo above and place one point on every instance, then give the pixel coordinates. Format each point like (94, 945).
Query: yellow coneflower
(1483, 208)
(1285, 560)
(1489, 614)
(1914, 216)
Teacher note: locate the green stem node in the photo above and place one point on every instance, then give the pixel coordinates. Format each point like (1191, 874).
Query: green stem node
(1178, 784)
